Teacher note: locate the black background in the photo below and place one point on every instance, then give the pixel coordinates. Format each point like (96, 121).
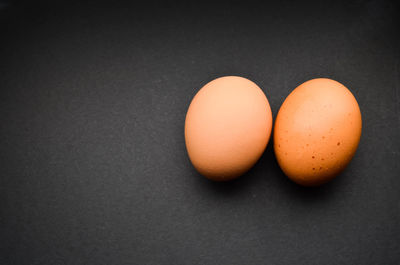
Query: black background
(93, 166)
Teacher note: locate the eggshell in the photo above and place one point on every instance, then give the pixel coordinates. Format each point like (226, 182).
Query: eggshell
(317, 131)
(227, 127)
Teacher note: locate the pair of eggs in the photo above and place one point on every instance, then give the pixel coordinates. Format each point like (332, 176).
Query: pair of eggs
(316, 132)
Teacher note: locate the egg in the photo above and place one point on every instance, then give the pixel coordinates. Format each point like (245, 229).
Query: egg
(227, 127)
(317, 131)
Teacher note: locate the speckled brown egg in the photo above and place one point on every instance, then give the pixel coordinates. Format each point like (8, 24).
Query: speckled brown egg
(227, 127)
(317, 131)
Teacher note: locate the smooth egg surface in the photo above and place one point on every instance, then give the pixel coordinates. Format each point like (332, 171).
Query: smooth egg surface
(317, 131)
(228, 125)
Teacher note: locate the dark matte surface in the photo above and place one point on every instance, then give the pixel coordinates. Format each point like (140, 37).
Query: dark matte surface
(93, 167)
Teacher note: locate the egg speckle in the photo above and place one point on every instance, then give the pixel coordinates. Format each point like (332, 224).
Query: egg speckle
(324, 116)
(227, 127)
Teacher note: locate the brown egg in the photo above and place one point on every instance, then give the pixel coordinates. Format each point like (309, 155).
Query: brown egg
(227, 127)
(317, 131)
